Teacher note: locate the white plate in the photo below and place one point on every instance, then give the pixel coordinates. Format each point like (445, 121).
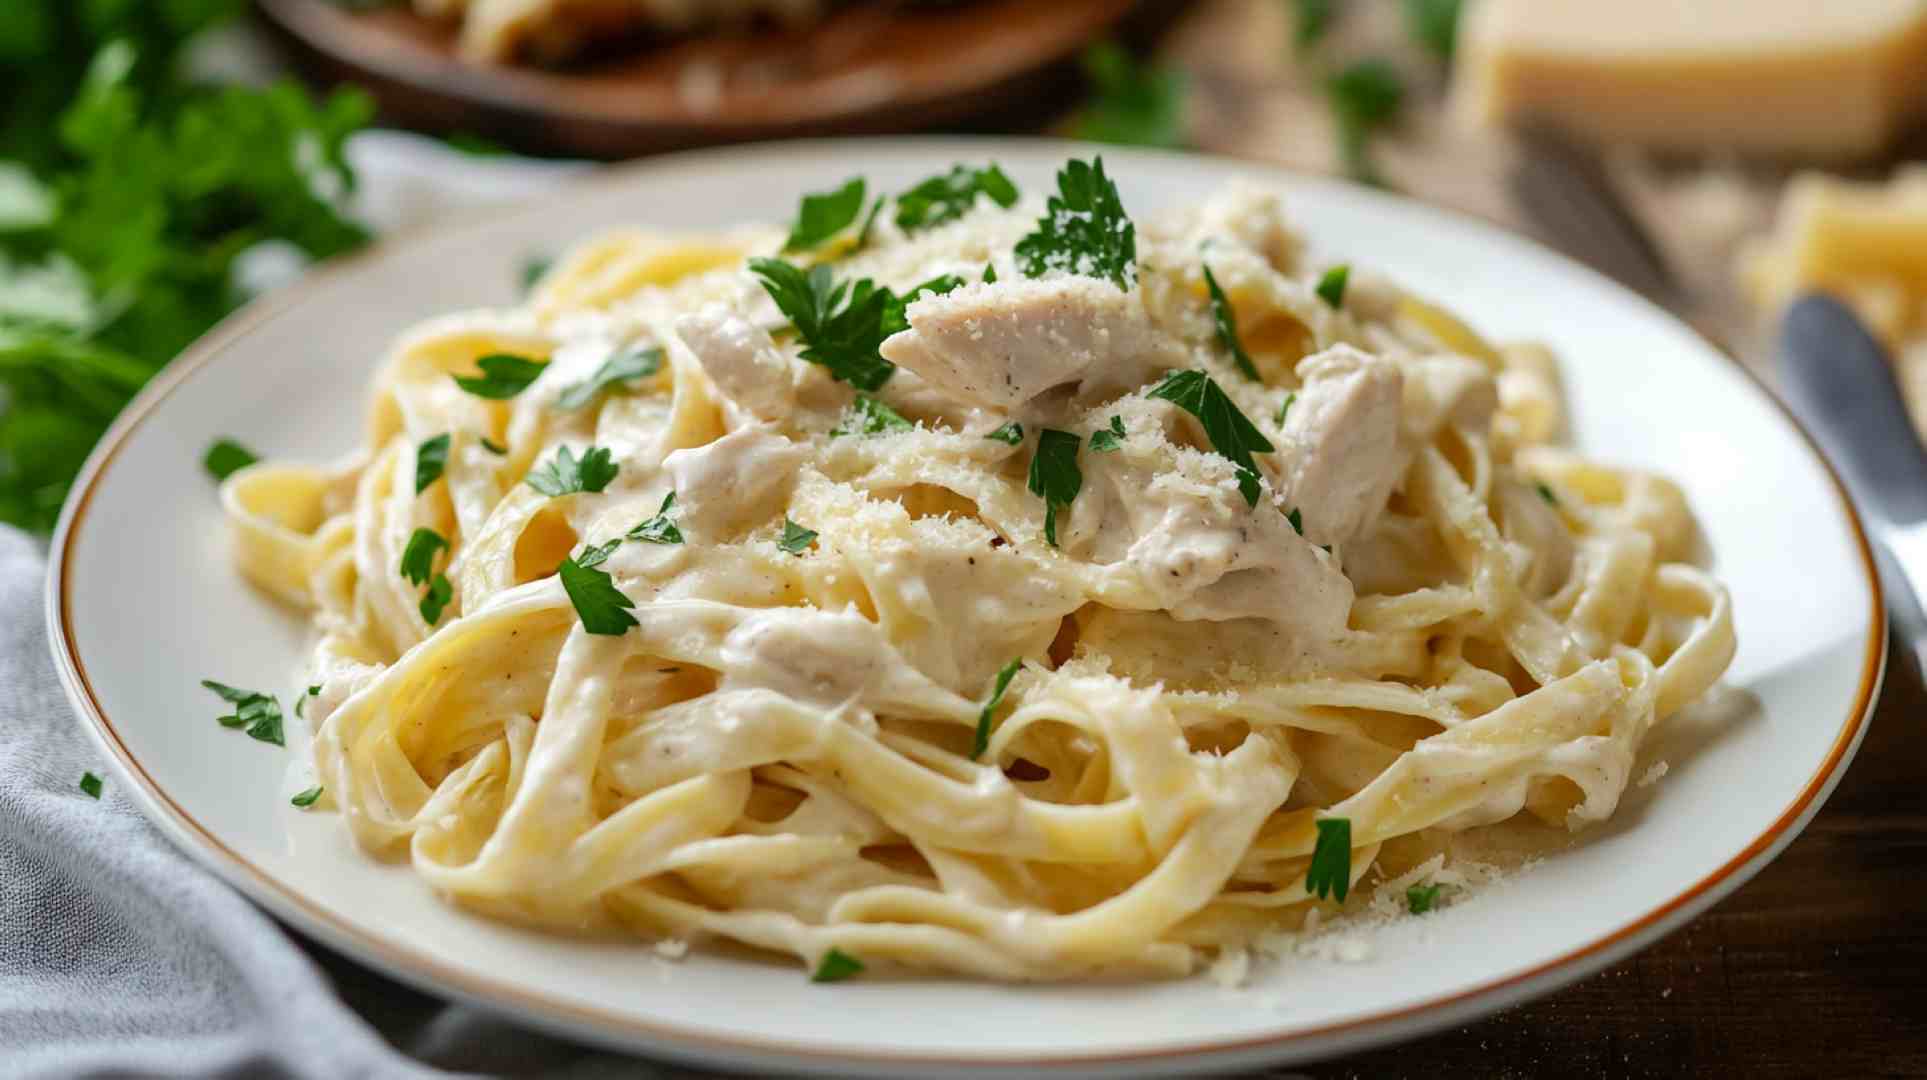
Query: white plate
(143, 602)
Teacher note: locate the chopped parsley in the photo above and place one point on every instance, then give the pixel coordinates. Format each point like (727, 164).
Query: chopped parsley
(836, 966)
(1364, 97)
(869, 221)
(1054, 475)
(503, 376)
(1311, 22)
(1107, 439)
(431, 457)
(949, 196)
(1232, 434)
(1226, 321)
(1134, 104)
(1084, 229)
(259, 713)
(1012, 433)
(659, 529)
(870, 416)
(1331, 287)
(989, 711)
(990, 273)
(625, 366)
(601, 606)
(227, 457)
(301, 703)
(824, 214)
(1435, 25)
(597, 554)
(1297, 521)
(842, 326)
(1284, 409)
(307, 798)
(1331, 861)
(1420, 899)
(90, 784)
(534, 269)
(1545, 492)
(418, 556)
(489, 445)
(436, 599)
(796, 539)
(565, 474)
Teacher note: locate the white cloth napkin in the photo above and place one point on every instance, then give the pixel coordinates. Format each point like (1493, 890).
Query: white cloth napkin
(121, 957)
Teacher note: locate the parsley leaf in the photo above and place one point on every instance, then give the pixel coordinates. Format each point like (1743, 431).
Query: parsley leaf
(301, 702)
(1331, 861)
(824, 214)
(225, 458)
(418, 555)
(90, 784)
(1420, 899)
(601, 606)
(869, 222)
(1331, 287)
(1054, 475)
(307, 798)
(1134, 104)
(1232, 434)
(659, 529)
(1227, 323)
(1313, 20)
(796, 539)
(597, 554)
(842, 326)
(1364, 97)
(534, 269)
(989, 711)
(1297, 520)
(564, 474)
(870, 416)
(489, 445)
(625, 366)
(431, 457)
(436, 599)
(259, 713)
(1106, 440)
(949, 196)
(1011, 433)
(1545, 492)
(503, 376)
(836, 966)
(1284, 409)
(1084, 229)
(1434, 24)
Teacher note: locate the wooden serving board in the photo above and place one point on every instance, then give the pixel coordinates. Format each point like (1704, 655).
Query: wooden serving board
(870, 66)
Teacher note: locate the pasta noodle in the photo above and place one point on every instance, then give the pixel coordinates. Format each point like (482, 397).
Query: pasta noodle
(1431, 620)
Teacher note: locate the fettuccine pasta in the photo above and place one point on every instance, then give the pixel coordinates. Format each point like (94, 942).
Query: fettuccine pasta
(710, 644)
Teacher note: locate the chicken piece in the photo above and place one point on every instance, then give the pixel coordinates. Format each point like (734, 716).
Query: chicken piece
(737, 481)
(1340, 447)
(1002, 343)
(741, 359)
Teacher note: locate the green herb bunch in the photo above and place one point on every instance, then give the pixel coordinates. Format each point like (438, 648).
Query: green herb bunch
(126, 194)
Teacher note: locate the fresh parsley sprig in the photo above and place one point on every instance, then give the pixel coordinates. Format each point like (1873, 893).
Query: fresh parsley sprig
(503, 376)
(1232, 434)
(1106, 440)
(1331, 860)
(1226, 322)
(1084, 229)
(227, 457)
(660, 529)
(841, 324)
(627, 365)
(836, 966)
(431, 458)
(258, 713)
(948, 196)
(1331, 286)
(603, 608)
(823, 214)
(1054, 475)
(417, 566)
(565, 474)
(988, 713)
(1135, 104)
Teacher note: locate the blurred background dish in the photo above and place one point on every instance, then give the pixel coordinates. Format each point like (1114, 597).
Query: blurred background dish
(633, 85)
